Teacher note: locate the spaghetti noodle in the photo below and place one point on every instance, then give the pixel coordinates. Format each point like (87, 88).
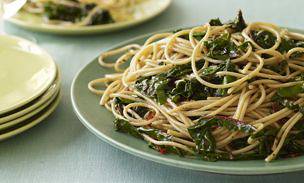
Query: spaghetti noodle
(230, 91)
(82, 12)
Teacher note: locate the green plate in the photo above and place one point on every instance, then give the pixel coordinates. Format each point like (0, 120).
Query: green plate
(26, 71)
(32, 121)
(143, 12)
(100, 121)
(31, 106)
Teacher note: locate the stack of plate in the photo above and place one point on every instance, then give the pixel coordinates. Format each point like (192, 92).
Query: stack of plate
(29, 85)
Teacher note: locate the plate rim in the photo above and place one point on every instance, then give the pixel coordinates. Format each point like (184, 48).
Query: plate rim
(55, 29)
(53, 105)
(43, 98)
(163, 159)
(42, 90)
(16, 121)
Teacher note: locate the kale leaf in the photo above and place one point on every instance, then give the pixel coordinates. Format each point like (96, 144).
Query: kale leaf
(221, 48)
(285, 102)
(288, 44)
(119, 104)
(165, 85)
(101, 17)
(161, 136)
(125, 127)
(291, 146)
(205, 141)
(265, 39)
(292, 91)
(62, 12)
(239, 23)
(278, 68)
(154, 87)
(215, 22)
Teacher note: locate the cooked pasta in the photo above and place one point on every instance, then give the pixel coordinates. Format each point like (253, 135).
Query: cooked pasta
(231, 91)
(82, 12)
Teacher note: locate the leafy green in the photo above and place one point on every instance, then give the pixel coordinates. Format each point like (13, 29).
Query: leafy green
(196, 35)
(62, 12)
(243, 47)
(288, 44)
(119, 104)
(239, 23)
(189, 89)
(125, 127)
(199, 35)
(101, 17)
(168, 85)
(161, 136)
(204, 140)
(228, 66)
(221, 48)
(154, 87)
(291, 91)
(278, 68)
(265, 39)
(291, 146)
(285, 102)
(215, 22)
(266, 138)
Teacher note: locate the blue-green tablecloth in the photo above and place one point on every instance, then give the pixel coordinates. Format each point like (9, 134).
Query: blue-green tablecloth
(61, 149)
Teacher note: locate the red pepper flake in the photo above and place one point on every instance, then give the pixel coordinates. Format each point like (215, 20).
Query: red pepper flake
(150, 115)
(162, 151)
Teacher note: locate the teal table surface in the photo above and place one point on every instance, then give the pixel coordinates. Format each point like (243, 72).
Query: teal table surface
(61, 149)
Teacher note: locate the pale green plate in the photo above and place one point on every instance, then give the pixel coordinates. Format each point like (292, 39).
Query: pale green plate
(31, 122)
(21, 119)
(26, 71)
(143, 12)
(100, 121)
(33, 105)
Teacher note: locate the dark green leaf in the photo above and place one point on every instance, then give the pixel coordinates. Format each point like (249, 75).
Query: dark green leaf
(161, 136)
(291, 91)
(265, 39)
(202, 132)
(239, 23)
(62, 12)
(126, 127)
(243, 47)
(221, 48)
(215, 22)
(199, 35)
(288, 44)
(279, 68)
(285, 102)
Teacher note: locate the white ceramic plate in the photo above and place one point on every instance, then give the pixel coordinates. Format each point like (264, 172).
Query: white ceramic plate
(26, 71)
(143, 12)
(29, 123)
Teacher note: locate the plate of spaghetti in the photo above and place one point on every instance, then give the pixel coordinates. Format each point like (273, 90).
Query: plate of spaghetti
(86, 16)
(219, 97)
